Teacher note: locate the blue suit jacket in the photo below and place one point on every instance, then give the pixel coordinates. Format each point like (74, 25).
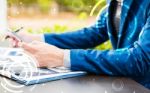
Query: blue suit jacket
(130, 56)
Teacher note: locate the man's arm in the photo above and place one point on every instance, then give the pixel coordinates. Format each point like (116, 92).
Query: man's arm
(132, 62)
(85, 38)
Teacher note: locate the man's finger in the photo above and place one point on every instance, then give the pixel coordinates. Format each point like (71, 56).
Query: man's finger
(28, 47)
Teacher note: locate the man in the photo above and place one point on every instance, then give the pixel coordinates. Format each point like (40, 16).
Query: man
(126, 23)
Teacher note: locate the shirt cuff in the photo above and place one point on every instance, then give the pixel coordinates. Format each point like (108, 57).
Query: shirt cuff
(67, 63)
(43, 38)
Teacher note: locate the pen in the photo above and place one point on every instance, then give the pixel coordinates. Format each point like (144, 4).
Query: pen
(16, 31)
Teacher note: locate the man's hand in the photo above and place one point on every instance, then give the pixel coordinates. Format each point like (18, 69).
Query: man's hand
(25, 37)
(45, 54)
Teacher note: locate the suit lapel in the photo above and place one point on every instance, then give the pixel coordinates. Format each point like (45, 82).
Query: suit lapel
(109, 24)
(124, 14)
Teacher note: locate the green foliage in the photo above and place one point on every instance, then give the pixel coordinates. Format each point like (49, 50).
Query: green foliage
(77, 5)
(55, 29)
(64, 5)
(105, 46)
(21, 2)
(83, 16)
(44, 5)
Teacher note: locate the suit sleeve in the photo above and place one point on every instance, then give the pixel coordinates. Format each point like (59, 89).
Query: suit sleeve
(88, 37)
(131, 62)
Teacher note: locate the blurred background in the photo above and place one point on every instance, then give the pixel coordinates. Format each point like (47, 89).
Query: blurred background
(54, 16)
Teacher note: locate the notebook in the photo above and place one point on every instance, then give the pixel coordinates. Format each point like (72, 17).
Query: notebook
(17, 65)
